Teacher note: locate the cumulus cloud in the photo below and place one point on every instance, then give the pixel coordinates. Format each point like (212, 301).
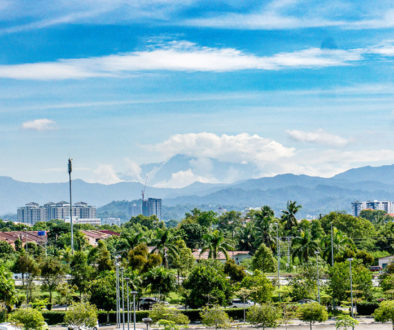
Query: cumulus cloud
(229, 148)
(184, 178)
(318, 137)
(178, 56)
(105, 174)
(43, 124)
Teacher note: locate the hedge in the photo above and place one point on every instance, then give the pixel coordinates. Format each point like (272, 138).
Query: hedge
(366, 308)
(57, 317)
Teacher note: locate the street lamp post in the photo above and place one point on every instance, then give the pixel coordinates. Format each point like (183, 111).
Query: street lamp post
(117, 292)
(121, 271)
(351, 284)
(134, 293)
(70, 169)
(318, 280)
(128, 303)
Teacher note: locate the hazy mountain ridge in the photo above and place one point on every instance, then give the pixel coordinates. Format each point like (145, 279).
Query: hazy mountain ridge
(317, 195)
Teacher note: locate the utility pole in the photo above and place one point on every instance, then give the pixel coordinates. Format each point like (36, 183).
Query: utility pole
(121, 271)
(332, 247)
(351, 283)
(117, 292)
(278, 253)
(71, 204)
(318, 281)
(288, 238)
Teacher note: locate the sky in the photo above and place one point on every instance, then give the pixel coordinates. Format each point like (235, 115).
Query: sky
(290, 86)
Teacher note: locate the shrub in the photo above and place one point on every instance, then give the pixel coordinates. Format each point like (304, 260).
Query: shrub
(29, 318)
(385, 312)
(81, 315)
(162, 312)
(215, 316)
(313, 312)
(345, 321)
(266, 315)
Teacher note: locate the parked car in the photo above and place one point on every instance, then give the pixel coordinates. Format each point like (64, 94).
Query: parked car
(146, 303)
(8, 326)
(239, 303)
(375, 268)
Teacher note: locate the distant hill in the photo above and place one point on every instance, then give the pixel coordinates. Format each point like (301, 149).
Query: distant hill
(317, 195)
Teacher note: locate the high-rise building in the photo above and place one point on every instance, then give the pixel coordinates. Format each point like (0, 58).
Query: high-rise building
(386, 206)
(151, 206)
(33, 212)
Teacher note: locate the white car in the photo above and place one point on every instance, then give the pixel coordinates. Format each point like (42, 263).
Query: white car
(239, 303)
(8, 326)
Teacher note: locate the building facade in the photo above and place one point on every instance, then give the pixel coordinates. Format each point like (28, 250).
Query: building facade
(33, 212)
(386, 206)
(152, 206)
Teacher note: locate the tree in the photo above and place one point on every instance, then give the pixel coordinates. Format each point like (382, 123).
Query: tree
(6, 250)
(184, 261)
(192, 234)
(215, 316)
(340, 243)
(66, 293)
(29, 269)
(385, 312)
(151, 222)
(81, 272)
(160, 280)
(313, 312)
(7, 287)
(215, 243)
(260, 286)
(29, 318)
(207, 284)
(52, 272)
(264, 260)
(203, 218)
(141, 260)
(305, 246)
(162, 312)
(266, 315)
(81, 315)
(103, 291)
(262, 223)
(165, 244)
(345, 321)
(236, 273)
(229, 221)
(288, 216)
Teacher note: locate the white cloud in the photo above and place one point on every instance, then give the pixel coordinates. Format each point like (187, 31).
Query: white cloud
(230, 148)
(178, 56)
(39, 124)
(318, 137)
(105, 174)
(133, 171)
(184, 178)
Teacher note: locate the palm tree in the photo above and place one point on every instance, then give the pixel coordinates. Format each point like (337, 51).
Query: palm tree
(288, 216)
(165, 244)
(340, 243)
(263, 228)
(215, 242)
(305, 246)
(245, 237)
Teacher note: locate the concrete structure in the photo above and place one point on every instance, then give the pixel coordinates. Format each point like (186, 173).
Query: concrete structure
(386, 206)
(33, 212)
(385, 261)
(152, 206)
(84, 221)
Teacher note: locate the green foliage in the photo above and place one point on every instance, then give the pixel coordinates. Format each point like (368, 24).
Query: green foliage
(103, 291)
(81, 315)
(261, 288)
(266, 315)
(236, 273)
(151, 222)
(207, 284)
(141, 260)
(192, 233)
(28, 318)
(80, 271)
(215, 316)
(215, 242)
(7, 287)
(6, 250)
(366, 308)
(162, 312)
(288, 216)
(385, 312)
(263, 260)
(52, 271)
(100, 257)
(160, 280)
(184, 259)
(313, 312)
(345, 321)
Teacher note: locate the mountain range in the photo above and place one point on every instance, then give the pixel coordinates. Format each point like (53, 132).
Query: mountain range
(317, 195)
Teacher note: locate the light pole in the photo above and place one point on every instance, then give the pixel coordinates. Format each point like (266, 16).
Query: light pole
(332, 247)
(134, 293)
(117, 292)
(70, 169)
(351, 283)
(128, 303)
(318, 281)
(121, 271)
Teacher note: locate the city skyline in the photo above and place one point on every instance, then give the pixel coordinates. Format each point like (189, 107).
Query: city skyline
(287, 86)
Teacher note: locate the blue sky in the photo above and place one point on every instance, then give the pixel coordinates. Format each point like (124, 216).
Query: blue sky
(289, 85)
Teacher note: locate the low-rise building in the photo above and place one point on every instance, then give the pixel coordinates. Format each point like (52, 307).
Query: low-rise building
(237, 256)
(385, 261)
